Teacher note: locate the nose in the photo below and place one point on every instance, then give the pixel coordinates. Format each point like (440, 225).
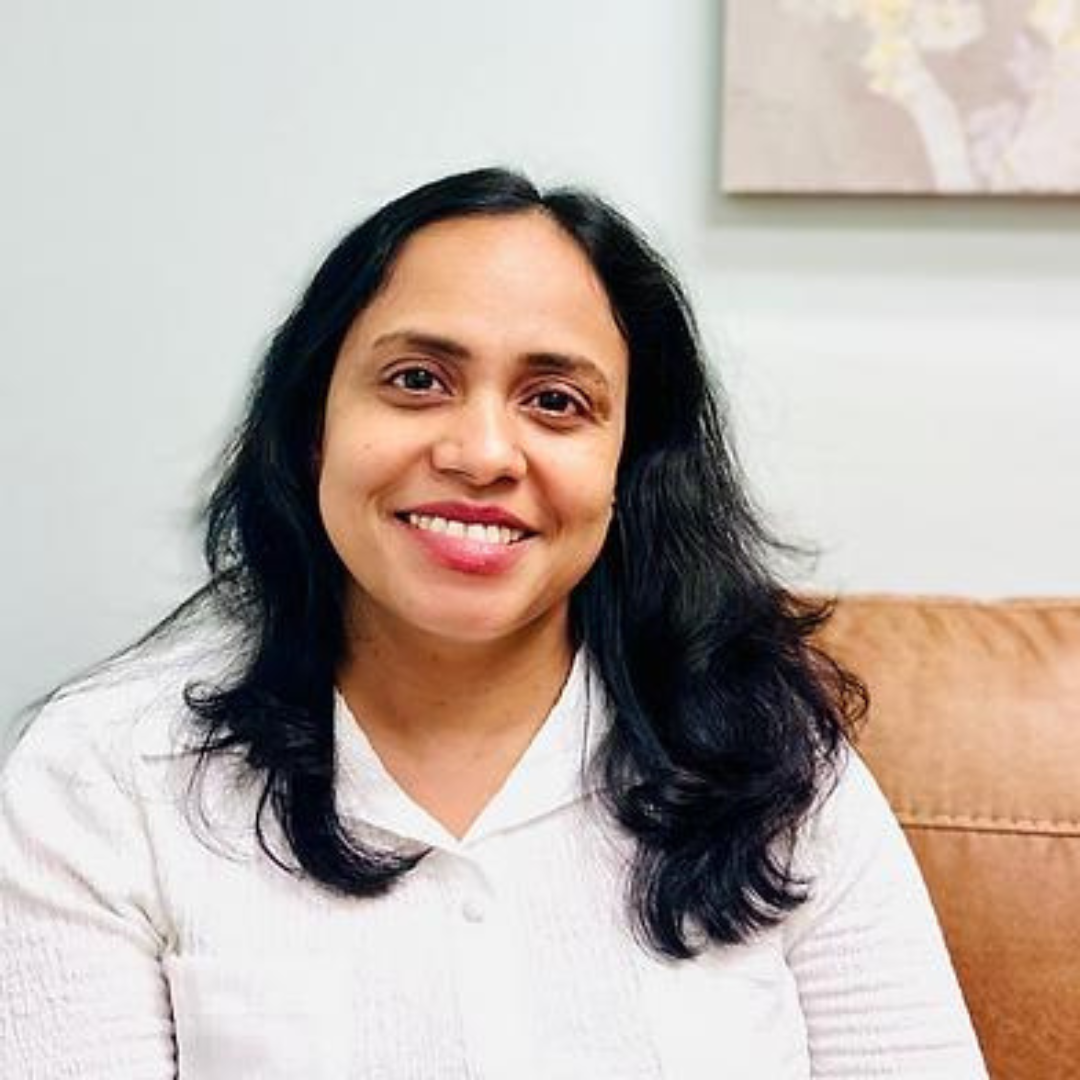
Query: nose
(480, 442)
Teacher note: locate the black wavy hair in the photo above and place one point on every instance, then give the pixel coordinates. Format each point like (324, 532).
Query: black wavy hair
(726, 718)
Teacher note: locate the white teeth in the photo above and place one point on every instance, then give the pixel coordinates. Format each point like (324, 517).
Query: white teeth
(483, 534)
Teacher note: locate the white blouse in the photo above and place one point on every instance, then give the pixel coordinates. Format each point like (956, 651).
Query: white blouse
(142, 940)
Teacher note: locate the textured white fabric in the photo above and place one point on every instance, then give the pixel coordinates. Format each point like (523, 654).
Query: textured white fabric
(141, 940)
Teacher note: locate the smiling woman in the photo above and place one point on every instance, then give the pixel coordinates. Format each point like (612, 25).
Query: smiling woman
(491, 746)
(483, 387)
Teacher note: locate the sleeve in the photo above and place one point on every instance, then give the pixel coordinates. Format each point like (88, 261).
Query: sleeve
(875, 981)
(82, 993)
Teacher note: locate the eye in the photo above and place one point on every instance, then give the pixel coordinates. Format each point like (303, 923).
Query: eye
(415, 380)
(555, 402)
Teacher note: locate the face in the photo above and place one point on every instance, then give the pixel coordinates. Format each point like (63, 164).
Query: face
(472, 433)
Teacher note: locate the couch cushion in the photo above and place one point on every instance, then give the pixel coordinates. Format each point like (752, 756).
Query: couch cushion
(974, 735)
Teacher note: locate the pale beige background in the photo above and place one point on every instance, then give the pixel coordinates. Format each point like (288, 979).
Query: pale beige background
(904, 373)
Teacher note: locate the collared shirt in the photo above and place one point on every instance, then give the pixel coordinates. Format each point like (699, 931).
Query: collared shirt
(143, 938)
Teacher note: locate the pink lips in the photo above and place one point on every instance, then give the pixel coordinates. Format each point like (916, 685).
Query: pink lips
(461, 553)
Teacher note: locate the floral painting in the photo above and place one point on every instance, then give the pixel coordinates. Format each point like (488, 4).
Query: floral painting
(916, 96)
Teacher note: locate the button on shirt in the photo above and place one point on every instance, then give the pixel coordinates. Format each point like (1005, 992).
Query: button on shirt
(143, 940)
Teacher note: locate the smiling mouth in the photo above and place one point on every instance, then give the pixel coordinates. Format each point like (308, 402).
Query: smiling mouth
(465, 530)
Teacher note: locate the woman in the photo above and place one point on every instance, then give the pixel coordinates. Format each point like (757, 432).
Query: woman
(491, 748)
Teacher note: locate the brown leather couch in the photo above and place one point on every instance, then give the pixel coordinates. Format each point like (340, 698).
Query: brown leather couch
(974, 735)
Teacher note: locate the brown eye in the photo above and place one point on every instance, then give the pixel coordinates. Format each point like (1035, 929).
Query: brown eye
(557, 403)
(415, 380)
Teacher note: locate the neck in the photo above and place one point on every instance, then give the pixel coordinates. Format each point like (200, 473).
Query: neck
(425, 692)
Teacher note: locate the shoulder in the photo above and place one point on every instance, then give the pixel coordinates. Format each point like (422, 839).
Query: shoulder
(851, 848)
(849, 834)
(99, 726)
(850, 818)
(847, 796)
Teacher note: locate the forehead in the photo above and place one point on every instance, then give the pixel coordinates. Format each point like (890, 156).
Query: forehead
(513, 281)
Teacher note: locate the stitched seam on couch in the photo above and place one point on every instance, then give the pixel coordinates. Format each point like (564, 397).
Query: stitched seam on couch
(913, 819)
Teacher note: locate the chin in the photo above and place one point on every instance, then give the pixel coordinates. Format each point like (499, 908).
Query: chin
(476, 624)
(449, 616)
(476, 630)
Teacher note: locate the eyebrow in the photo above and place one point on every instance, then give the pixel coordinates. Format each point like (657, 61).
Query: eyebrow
(555, 362)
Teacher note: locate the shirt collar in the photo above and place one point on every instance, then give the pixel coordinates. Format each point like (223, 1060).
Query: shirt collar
(552, 773)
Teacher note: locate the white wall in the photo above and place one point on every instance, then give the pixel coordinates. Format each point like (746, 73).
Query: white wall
(905, 375)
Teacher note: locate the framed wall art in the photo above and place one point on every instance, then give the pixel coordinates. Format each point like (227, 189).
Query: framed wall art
(902, 96)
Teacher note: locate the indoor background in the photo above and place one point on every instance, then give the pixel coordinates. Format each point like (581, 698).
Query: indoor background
(904, 375)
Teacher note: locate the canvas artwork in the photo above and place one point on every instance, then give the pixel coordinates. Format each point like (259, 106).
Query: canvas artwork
(902, 96)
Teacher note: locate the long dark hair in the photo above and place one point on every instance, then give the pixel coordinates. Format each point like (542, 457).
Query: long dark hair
(726, 719)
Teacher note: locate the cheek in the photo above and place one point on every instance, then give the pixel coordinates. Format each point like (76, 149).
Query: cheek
(337, 478)
(349, 473)
(354, 457)
(587, 493)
